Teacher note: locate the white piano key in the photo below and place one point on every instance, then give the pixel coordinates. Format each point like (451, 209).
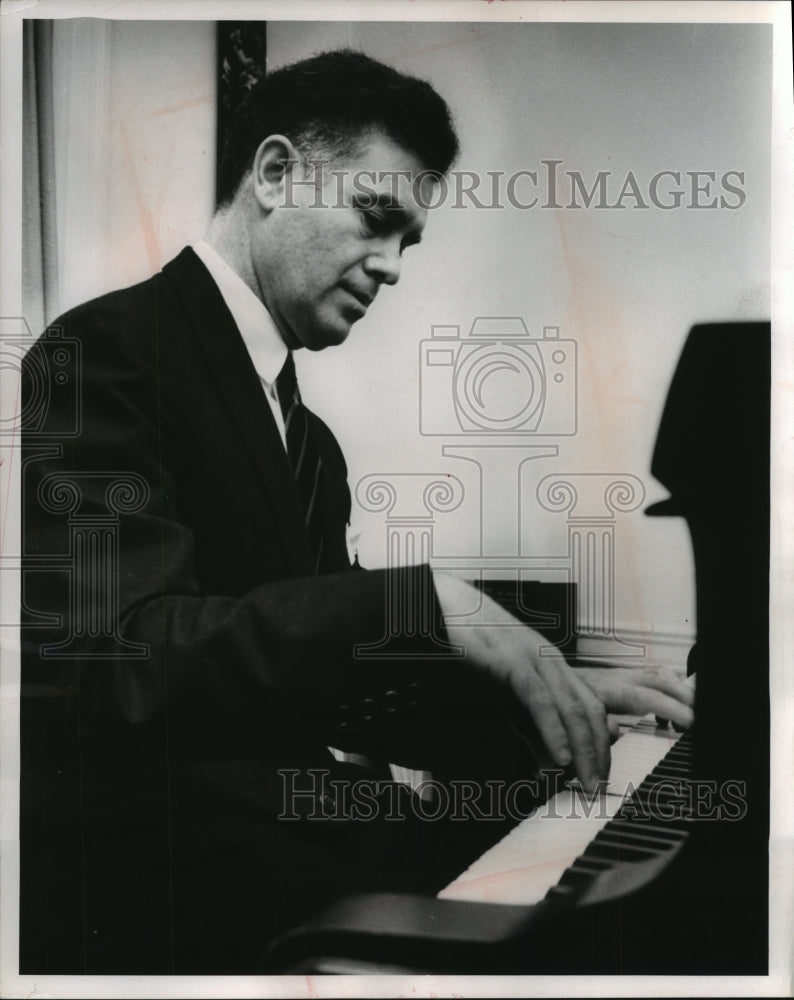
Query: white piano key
(524, 865)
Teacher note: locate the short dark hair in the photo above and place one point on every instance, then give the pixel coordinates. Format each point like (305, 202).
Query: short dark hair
(328, 104)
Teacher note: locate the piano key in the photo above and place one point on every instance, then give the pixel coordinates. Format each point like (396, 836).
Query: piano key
(638, 838)
(647, 829)
(533, 857)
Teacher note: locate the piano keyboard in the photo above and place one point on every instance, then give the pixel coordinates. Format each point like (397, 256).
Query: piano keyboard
(571, 841)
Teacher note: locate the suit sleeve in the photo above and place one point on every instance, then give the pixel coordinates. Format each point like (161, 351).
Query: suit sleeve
(116, 569)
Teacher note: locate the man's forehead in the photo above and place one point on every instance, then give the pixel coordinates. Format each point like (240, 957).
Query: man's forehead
(391, 176)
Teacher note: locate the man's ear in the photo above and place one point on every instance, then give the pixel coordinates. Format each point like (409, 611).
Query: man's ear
(273, 160)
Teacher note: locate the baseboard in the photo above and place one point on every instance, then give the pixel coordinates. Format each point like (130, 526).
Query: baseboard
(636, 647)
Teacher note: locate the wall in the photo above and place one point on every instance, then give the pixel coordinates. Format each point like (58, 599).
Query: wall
(135, 142)
(137, 135)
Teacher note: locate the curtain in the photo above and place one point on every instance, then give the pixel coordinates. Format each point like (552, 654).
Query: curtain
(39, 232)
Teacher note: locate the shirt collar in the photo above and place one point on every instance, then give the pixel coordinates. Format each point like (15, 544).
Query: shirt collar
(260, 334)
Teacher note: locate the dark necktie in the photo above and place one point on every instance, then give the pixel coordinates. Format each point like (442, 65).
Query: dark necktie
(306, 462)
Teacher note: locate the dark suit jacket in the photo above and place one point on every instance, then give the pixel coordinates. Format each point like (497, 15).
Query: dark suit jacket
(154, 743)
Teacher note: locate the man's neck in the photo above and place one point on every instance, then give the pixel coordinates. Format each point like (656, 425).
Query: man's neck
(228, 237)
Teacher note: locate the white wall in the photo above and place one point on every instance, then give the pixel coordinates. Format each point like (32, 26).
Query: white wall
(137, 173)
(135, 141)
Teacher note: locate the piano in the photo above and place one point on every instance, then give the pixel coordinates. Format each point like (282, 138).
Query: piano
(667, 873)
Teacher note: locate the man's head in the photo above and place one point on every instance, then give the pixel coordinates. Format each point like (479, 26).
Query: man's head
(321, 244)
(326, 104)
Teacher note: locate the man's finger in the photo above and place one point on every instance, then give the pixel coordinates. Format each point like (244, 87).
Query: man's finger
(666, 680)
(599, 726)
(590, 743)
(639, 690)
(665, 707)
(536, 698)
(584, 721)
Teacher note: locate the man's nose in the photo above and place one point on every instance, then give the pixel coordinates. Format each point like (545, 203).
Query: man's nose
(384, 263)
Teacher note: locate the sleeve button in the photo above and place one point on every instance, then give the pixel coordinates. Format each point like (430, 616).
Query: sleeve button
(391, 701)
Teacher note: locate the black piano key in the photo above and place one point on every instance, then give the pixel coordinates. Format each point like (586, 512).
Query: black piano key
(641, 829)
(683, 824)
(667, 776)
(616, 853)
(671, 768)
(636, 838)
(662, 794)
(658, 830)
(678, 760)
(667, 789)
(653, 810)
(578, 876)
(560, 892)
(583, 862)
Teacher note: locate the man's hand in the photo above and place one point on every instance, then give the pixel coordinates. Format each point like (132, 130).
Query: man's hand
(640, 690)
(569, 717)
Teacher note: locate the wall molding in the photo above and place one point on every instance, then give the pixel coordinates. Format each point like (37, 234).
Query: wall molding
(662, 648)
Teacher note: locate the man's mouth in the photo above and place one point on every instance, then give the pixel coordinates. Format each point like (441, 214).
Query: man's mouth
(361, 297)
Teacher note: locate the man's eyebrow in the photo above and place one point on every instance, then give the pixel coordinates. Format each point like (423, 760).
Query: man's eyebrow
(383, 199)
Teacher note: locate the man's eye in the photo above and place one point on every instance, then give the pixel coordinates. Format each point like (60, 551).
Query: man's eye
(375, 220)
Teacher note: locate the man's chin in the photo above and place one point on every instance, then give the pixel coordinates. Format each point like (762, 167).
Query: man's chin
(328, 336)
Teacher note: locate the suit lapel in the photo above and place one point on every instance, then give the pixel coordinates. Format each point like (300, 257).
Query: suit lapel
(241, 390)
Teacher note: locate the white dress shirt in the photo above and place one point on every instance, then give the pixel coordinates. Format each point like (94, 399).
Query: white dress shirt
(260, 334)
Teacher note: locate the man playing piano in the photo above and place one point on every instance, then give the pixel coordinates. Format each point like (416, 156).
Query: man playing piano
(203, 649)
